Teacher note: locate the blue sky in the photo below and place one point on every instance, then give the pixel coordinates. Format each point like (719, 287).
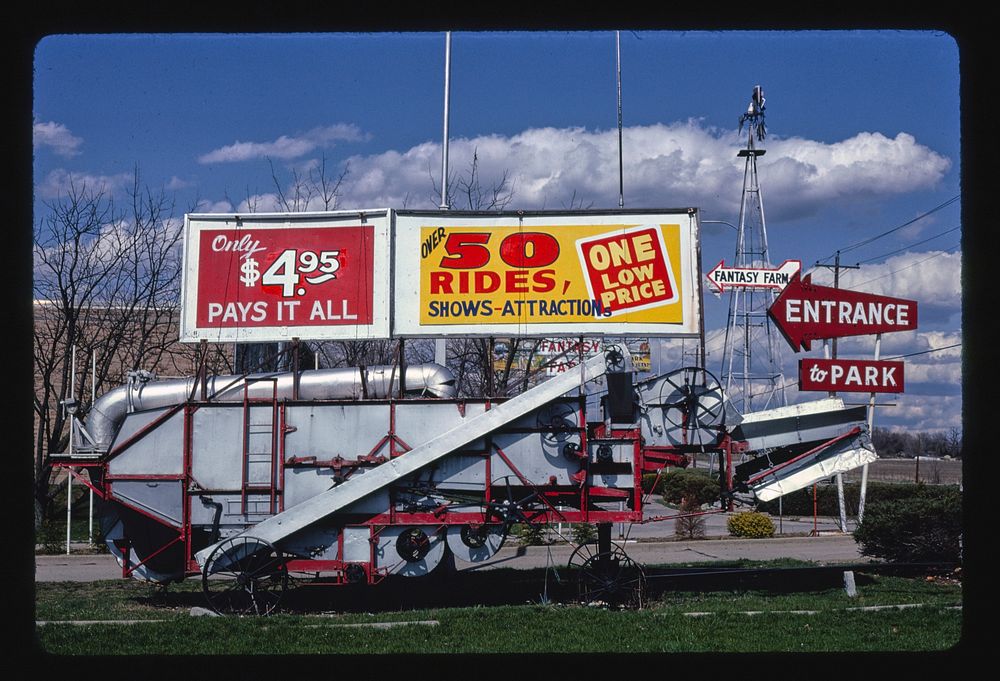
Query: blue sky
(864, 136)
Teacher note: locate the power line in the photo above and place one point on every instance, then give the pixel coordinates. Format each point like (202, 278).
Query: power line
(889, 274)
(924, 352)
(896, 229)
(884, 255)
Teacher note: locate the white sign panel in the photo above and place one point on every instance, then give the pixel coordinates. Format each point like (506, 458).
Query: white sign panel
(547, 273)
(724, 278)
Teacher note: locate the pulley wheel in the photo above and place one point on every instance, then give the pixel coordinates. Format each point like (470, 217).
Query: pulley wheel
(244, 576)
(409, 551)
(476, 543)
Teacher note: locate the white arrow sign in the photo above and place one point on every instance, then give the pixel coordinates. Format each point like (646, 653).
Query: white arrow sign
(723, 277)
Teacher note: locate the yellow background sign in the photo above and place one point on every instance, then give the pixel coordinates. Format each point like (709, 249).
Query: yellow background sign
(564, 274)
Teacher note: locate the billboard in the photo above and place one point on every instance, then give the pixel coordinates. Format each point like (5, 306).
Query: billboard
(546, 273)
(272, 277)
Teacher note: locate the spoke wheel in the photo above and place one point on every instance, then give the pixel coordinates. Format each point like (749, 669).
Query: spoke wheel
(245, 576)
(610, 578)
(693, 402)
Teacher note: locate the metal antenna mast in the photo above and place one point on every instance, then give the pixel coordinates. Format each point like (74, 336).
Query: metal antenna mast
(751, 369)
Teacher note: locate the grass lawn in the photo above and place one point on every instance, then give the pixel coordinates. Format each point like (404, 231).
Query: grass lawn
(672, 621)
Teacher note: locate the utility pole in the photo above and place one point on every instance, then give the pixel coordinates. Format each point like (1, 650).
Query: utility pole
(840, 477)
(441, 344)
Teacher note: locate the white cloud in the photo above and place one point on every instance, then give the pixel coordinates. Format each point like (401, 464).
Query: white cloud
(59, 182)
(915, 413)
(904, 343)
(206, 206)
(57, 137)
(868, 163)
(260, 203)
(176, 183)
(932, 278)
(286, 147)
(676, 165)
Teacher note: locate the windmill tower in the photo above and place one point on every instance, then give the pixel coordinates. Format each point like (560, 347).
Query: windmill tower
(751, 371)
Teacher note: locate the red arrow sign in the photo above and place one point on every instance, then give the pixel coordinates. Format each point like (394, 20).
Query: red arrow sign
(805, 312)
(723, 277)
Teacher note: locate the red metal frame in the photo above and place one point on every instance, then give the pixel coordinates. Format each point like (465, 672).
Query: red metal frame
(580, 497)
(76, 476)
(142, 432)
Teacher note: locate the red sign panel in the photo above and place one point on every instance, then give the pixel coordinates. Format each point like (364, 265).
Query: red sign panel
(628, 270)
(285, 277)
(851, 375)
(805, 312)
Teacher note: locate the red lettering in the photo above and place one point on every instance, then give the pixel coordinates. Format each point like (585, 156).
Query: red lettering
(517, 281)
(466, 251)
(529, 249)
(486, 281)
(545, 281)
(441, 282)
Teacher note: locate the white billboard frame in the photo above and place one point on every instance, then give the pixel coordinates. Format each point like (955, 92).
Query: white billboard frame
(407, 282)
(380, 221)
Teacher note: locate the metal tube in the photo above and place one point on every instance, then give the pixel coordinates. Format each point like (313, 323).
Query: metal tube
(69, 478)
(93, 398)
(69, 506)
(108, 412)
(447, 101)
(441, 344)
(621, 174)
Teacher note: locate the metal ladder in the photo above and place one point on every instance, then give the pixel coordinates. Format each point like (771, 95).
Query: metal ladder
(260, 444)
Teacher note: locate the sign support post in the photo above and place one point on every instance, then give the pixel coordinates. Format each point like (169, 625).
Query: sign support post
(93, 398)
(839, 477)
(871, 420)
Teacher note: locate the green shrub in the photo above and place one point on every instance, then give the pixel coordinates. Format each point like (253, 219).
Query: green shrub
(750, 524)
(532, 534)
(583, 533)
(647, 484)
(800, 502)
(920, 529)
(690, 527)
(682, 483)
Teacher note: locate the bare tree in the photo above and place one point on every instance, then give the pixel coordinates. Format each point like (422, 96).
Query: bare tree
(106, 282)
(576, 203)
(478, 371)
(327, 187)
(471, 194)
(317, 183)
(320, 189)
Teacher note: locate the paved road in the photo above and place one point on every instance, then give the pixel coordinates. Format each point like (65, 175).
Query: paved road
(829, 549)
(832, 549)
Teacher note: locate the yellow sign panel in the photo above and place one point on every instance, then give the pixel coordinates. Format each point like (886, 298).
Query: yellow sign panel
(566, 274)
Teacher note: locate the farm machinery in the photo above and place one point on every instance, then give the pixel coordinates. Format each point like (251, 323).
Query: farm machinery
(352, 476)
